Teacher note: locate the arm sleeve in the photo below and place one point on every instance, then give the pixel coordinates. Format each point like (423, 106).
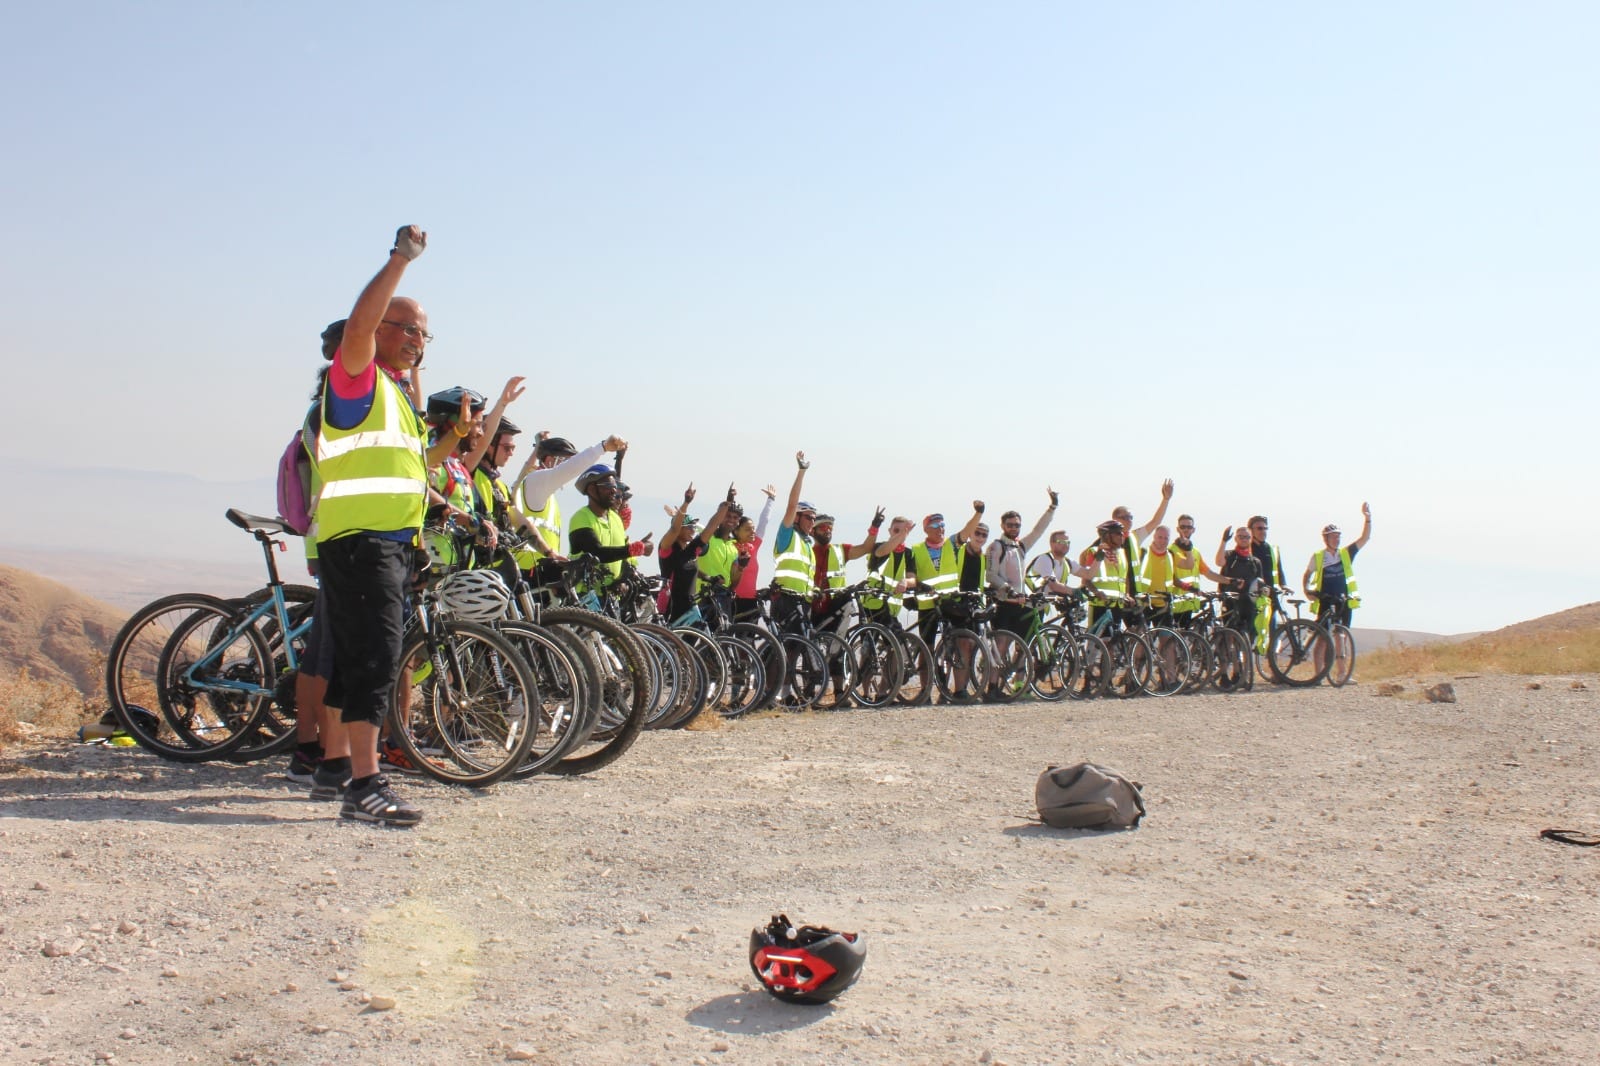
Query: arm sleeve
(1036, 532)
(761, 522)
(586, 541)
(538, 486)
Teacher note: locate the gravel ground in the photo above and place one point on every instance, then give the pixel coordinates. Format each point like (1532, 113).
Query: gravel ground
(1323, 876)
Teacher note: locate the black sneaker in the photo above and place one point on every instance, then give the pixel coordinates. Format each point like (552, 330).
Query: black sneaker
(302, 771)
(329, 781)
(377, 802)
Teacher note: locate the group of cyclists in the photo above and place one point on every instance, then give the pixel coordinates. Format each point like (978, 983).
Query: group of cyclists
(398, 472)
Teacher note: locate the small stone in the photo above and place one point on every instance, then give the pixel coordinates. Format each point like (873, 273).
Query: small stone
(104, 1056)
(40, 886)
(1237, 976)
(1534, 686)
(664, 973)
(57, 949)
(341, 975)
(1389, 688)
(291, 987)
(987, 1056)
(720, 1045)
(381, 1003)
(1577, 686)
(347, 986)
(1443, 692)
(127, 928)
(128, 1034)
(365, 997)
(523, 1053)
(168, 971)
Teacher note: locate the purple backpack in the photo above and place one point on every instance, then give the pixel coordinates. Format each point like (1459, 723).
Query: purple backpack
(294, 485)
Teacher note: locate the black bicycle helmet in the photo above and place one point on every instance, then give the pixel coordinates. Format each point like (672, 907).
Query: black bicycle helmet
(332, 337)
(445, 405)
(554, 446)
(811, 964)
(597, 472)
(507, 427)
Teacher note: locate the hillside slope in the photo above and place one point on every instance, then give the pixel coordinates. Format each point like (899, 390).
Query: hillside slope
(55, 633)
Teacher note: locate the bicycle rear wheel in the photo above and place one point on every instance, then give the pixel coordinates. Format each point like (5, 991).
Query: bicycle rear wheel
(1299, 653)
(155, 697)
(690, 695)
(1200, 660)
(1344, 655)
(1131, 663)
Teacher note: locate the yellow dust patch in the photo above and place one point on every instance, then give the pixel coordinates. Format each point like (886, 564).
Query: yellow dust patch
(419, 955)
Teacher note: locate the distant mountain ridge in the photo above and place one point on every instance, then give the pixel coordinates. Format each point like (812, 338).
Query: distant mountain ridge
(54, 633)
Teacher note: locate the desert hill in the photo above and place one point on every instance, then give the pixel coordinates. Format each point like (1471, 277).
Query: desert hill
(53, 632)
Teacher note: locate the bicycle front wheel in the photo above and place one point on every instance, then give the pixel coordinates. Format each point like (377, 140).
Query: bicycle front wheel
(962, 666)
(1055, 663)
(1012, 666)
(875, 665)
(1300, 653)
(1233, 660)
(1169, 662)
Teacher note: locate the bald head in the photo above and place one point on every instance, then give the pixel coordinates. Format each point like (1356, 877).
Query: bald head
(402, 336)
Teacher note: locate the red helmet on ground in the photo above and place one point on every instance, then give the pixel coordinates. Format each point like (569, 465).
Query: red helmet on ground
(811, 964)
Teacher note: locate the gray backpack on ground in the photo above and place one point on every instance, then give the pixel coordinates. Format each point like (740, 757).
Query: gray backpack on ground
(1086, 796)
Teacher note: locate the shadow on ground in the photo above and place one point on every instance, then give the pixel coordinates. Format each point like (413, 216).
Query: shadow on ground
(755, 1013)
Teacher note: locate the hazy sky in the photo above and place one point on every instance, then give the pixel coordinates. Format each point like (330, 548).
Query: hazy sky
(1292, 256)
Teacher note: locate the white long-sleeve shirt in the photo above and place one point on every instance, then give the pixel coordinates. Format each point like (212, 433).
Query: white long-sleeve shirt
(537, 488)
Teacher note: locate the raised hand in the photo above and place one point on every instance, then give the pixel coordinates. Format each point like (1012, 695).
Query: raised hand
(409, 241)
(514, 388)
(800, 461)
(1055, 497)
(1366, 512)
(688, 494)
(877, 517)
(977, 505)
(772, 493)
(733, 493)
(614, 443)
(1166, 489)
(467, 422)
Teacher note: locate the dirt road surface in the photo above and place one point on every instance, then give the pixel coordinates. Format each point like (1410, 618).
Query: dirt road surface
(1323, 877)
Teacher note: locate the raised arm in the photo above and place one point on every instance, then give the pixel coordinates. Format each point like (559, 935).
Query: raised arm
(360, 344)
(491, 421)
(794, 490)
(766, 512)
(1044, 520)
(1161, 512)
(972, 523)
(865, 547)
(671, 536)
(1222, 549)
(1366, 528)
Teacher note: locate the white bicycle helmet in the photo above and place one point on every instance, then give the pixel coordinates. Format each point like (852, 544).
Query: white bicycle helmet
(475, 595)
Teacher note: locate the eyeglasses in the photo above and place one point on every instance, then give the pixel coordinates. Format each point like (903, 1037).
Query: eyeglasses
(935, 525)
(414, 332)
(1185, 529)
(1262, 525)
